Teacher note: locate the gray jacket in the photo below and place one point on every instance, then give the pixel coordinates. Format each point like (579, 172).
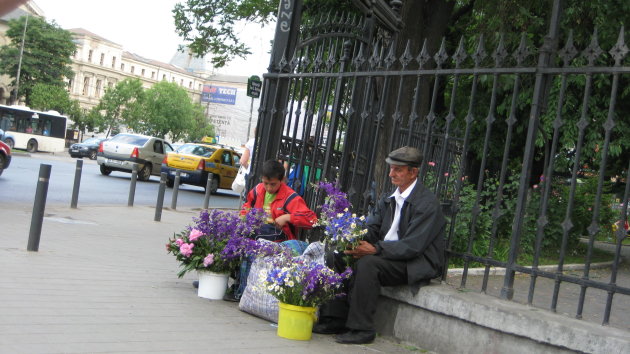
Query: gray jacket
(420, 233)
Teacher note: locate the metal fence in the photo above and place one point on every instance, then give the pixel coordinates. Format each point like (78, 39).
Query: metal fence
(523, 142)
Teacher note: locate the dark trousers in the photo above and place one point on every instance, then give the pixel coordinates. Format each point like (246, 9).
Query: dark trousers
(370, 274)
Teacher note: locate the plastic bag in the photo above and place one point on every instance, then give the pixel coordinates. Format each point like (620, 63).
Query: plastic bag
(239, 181)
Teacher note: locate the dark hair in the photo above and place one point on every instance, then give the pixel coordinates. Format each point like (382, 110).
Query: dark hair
(273, 169)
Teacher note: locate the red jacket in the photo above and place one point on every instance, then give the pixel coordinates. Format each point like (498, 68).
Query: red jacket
(301, 215)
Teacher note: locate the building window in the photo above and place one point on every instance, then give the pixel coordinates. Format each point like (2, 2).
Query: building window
(132, 69)
(122, 66)
(181, 82)
(189, 84)
(142, 72)
(172, 79)
(102, 58)
(99, 83)
(199, 88)
(90, 55)
(86, 86)
(110, 84)
(70, 85)
(163, 76)
(153, 74)
(113, 62)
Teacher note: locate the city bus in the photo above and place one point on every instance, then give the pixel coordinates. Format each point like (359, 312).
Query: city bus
(33, 130)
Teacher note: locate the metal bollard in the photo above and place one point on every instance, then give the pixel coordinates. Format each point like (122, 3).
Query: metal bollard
(37, 217)
(206, 199)
(77, 184)
(132, 186)
(160, 199)
(175, 190)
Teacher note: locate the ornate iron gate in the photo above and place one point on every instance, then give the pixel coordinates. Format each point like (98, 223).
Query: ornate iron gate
(339, 95)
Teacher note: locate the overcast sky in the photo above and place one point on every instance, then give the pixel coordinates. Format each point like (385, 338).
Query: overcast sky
(146, 28)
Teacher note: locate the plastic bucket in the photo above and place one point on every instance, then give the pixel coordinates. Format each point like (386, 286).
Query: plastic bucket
(212, 285)
(295, 322)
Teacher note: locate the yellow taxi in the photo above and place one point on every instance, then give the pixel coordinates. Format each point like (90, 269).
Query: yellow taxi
(195, 161)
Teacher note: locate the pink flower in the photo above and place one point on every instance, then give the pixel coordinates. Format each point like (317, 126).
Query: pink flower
(194, 235)
(431, 163)
(186, 249)
(208, 260)
(179, 242)
(535, 186)
(445, 174)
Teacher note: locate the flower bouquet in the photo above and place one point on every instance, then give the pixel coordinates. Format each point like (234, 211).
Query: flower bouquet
(203, 245)
(304, 283)
(300, 287)
(342, 229)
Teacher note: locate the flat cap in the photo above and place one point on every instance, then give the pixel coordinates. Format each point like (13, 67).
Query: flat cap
(405, 156)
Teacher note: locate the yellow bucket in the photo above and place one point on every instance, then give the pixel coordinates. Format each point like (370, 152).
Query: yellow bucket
(295, 322)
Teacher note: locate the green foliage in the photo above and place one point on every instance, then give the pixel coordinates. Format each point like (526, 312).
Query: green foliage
(46, 97)
(580, 214)
(46, 58)
(166, 109)
(202, 127)
(118, 106)
(208, 25)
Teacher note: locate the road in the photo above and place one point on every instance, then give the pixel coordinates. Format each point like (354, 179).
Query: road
(19, 182)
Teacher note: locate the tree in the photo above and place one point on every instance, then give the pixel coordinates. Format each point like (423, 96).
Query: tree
(118, 106)
(46, 58)
(202, 127)
(49, 97)
(166, 109)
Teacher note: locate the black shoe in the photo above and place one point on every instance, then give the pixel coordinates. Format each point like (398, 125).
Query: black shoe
(356, 337)
(229, 296)
(196, 284)
(329, 327)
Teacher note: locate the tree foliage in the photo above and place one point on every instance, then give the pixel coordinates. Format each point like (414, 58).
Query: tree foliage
(46, 58)
(118, 106)
(164, 109)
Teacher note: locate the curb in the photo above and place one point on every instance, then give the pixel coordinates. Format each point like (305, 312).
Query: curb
(547, 268)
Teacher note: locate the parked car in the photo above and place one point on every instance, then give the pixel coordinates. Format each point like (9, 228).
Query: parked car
(196, 161)
(87, 148)
(122, 151)
(5, 156)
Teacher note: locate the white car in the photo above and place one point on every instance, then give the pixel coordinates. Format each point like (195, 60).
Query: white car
(122, 151)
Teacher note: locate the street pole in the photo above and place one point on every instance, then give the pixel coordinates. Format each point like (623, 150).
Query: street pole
(17, 79)
(249, 125)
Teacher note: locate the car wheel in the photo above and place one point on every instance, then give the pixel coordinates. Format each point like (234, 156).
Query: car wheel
(10, 142)
(214, 186)
(31, 146)
(145, 173)
(93, 155)
(2, 161)
(105, 171)
(170, 183)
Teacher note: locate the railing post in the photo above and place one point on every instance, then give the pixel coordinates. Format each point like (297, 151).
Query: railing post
(39, 205)
(206, 199)
(160, 198)
(507, 292)
(132, 185)
(175, 190)
(77, 184)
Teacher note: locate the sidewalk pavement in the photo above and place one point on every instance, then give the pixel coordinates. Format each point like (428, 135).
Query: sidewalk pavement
(102, 282)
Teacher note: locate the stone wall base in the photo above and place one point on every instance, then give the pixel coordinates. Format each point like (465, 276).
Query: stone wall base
(444, 320)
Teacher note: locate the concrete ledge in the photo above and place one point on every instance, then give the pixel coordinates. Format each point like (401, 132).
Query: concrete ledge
(445, 320)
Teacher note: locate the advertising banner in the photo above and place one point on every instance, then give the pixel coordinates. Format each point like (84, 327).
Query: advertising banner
(218, 94)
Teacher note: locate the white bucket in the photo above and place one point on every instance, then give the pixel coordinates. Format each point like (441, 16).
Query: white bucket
(212, 285)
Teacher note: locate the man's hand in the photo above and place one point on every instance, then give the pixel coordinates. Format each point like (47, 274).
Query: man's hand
(363, 249)
(283, 220)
